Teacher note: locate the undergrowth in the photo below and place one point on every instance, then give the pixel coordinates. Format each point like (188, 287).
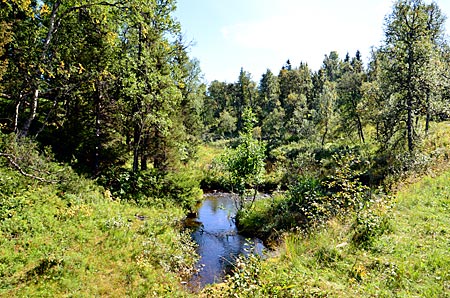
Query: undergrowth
(65, 236)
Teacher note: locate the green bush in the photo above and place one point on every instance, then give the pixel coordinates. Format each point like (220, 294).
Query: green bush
(153, 188)
(242, 282)
(370, 222)
(310, 202)
(316, 201)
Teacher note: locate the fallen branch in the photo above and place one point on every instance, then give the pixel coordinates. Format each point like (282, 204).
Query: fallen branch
(4, 95)
(11, 159)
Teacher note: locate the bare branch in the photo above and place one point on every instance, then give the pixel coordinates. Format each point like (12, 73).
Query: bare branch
(11, 158)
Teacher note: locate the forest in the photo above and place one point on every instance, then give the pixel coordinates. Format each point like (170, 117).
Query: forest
(105, 120)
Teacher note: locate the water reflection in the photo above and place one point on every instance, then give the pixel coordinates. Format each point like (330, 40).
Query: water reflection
(218, 240)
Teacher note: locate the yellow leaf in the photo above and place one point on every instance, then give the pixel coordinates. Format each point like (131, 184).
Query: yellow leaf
(81, 68)
(44, 10)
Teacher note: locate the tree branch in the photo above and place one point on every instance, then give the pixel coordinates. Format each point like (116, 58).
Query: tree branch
(101, 3)
(11, 158)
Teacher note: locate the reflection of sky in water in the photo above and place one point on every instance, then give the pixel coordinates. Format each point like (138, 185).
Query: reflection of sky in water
(217, 238)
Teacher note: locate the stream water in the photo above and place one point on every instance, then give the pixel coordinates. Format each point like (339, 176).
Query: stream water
(218, 240)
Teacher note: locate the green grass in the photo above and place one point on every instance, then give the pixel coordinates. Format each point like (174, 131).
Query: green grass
(204, 157)
(80, 242)
(73, 239)
(411, 259)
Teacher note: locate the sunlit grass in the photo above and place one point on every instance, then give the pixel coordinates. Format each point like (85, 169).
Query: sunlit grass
(410, 260)
(85, 244)
(205, 155)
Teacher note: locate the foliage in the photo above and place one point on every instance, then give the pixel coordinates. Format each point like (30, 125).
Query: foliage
(244, 165)
(100, 81)
(413, 35)
(154, 188)
(22, 155)
(372, 221)
(311, 202)
(243, 281)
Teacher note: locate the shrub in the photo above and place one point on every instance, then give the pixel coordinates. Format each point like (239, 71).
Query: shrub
(153, 188)
(370, 222)
(244, 280)
(311, 202)
(244, 167)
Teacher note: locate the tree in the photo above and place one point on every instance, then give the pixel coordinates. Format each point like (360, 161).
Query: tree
(244, 165)
(296, 89)
(332, 66)
(411, 34)
(219, 101)
(273, 128)
(97, 79)
(350, 96)
(299, 124)
(151, 95)
(59, 78)
(245, 96)
(294, 81)
(268, 95)
(226, 124)
(326, 113)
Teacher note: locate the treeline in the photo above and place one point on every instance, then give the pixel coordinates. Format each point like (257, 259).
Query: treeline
(110, 87)
(382, 109)
(406, 80)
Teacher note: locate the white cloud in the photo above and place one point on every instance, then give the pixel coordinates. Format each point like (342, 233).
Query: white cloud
(309, 32)
(260, 34)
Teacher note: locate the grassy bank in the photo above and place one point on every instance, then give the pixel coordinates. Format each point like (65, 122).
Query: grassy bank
(73, 239)
(66, 236)
(409, 258)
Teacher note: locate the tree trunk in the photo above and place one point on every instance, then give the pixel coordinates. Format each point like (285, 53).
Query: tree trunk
(160, 159)
(137, 109)
(16, 115)
(428, 115)
(409, 100)
(325, 133)
(136, 141)
(34, 101)
(32, 116)
(98, 142)
(360, 130)
(409, 123)
(144, 154)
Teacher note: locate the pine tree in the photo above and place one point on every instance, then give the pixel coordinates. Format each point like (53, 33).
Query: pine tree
(411, 35)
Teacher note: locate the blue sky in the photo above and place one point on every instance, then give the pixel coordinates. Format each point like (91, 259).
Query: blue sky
(261, 34)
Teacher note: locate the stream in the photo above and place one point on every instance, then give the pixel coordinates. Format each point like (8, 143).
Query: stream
(218, 240)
